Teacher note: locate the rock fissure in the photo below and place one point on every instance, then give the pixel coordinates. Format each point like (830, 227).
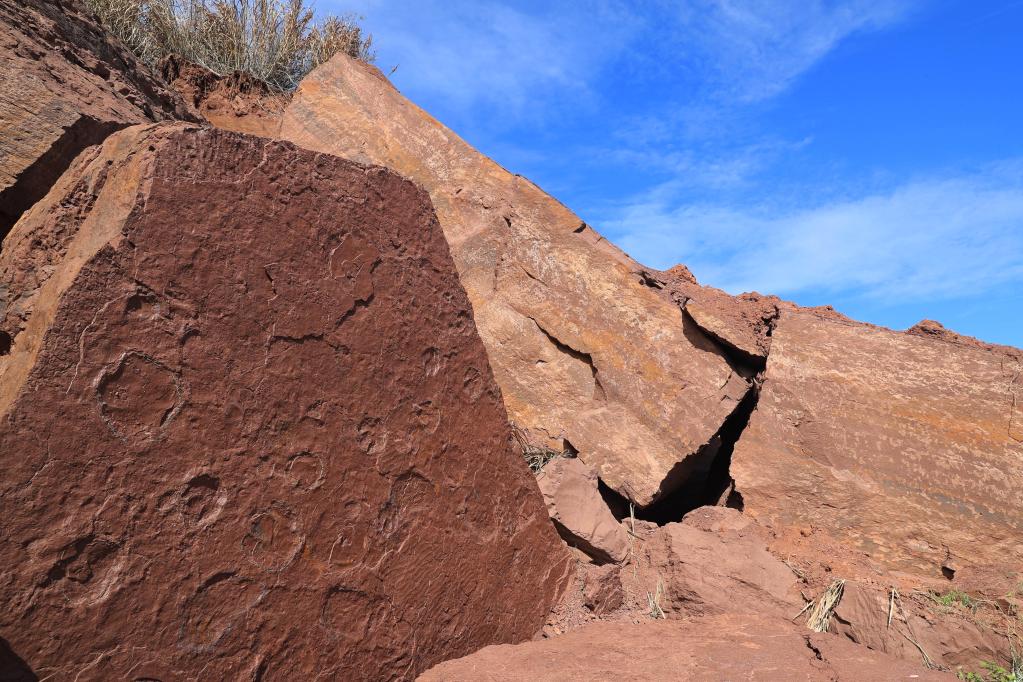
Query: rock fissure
(532, 277)
(648, 280)
(1015, 430)
(36, 180)
(599, 391)
(702, 480)
(816, 651)
(736, 357)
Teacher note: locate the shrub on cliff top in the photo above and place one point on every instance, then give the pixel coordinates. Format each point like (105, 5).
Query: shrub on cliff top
(277, 41)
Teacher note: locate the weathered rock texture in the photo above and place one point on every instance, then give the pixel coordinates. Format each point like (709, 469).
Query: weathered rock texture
(716, 561)
(584, 351)
(238, 102)
(247, 427)
(64, 85)
(712, 648)
(579, 513)
(901, 445)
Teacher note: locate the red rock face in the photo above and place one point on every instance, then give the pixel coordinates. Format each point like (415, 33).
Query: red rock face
(902, 446)
(238, 102)
(64, 85)
(248, 429)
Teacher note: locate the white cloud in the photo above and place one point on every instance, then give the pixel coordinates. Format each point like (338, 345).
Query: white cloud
(927, 239)
(496, 55)
(491, 56)
(757, 48)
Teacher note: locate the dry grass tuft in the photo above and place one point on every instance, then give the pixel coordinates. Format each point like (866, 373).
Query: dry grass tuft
(277, 41)
(654, 601)
(820, 616)
(538, 457)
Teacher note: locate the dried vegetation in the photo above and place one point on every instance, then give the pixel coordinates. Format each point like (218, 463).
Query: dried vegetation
(277, 41)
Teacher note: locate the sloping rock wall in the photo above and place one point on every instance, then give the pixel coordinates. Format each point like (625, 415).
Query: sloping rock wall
(64, 85)
(589, 358)
(248, 429)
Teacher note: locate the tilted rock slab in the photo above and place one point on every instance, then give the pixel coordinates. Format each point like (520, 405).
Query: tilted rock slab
(711, 648)
(570, 491)
(248, 430)
(901, 445)
(582, 349)
(65, 84)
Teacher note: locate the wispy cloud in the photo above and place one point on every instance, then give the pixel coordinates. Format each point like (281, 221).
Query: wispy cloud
(498, 54)
(934, 238)
(755, 49)
(484, 55)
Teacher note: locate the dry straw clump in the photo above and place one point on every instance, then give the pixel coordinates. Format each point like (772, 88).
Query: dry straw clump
(277, 41)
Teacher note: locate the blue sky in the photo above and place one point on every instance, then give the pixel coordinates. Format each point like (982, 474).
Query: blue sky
(866, 153)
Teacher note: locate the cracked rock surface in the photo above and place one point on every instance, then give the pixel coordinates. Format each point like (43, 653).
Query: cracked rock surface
(588, 357)
(256, 433)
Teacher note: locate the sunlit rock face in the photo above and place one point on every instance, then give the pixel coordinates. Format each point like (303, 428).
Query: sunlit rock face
(589, 357)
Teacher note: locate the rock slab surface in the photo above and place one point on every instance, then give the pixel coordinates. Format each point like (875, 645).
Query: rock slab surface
(64, 85)
(248, 429)
(901, 445)
(711, 648)
(713, 560)
(588, 356)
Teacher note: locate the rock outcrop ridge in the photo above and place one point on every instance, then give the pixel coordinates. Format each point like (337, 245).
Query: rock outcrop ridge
(256, 434)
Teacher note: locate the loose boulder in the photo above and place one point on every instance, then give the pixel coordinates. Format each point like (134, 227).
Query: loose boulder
(589, 356)
(715, 561)
(65, 84)
(904, 446)
(248, 429)
(579, 513)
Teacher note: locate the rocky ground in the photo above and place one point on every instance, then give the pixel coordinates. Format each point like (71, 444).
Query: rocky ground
(304, 387)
